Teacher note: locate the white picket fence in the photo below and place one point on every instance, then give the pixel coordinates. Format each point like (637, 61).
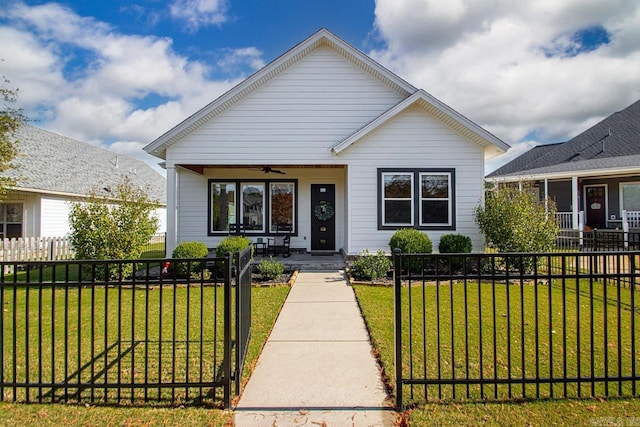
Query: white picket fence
(35, 249)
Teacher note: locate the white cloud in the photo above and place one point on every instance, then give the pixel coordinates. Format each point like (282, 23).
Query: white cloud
(236, 58)
(491, 60)
(198, 13)
(82, 78)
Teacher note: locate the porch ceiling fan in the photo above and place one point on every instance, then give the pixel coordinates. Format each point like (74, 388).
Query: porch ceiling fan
(268, 169)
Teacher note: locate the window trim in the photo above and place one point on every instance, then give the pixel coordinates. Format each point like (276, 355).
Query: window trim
(416, 202)
(238, 204)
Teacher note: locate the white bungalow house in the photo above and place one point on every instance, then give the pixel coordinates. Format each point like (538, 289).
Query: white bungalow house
(329, 141)
(594, 178)
(52, 170)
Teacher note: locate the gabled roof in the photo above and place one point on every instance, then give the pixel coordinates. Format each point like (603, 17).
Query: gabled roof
(321, 38)
(54, 164)
(611, 145)
(439, 110)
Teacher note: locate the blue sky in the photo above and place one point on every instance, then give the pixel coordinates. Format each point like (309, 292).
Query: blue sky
(120, 73)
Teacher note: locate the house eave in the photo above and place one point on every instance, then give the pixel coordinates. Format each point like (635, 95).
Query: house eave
(565, 175)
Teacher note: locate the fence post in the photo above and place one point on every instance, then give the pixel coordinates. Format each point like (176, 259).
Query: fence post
(228, 338)
(397, 324)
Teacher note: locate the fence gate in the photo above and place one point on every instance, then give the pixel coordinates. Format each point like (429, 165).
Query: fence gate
(156, 330)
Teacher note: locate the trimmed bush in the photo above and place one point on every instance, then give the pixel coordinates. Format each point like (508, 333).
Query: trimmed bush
(270, 269)
(189, 250)
(411, 241)
(368, 266)
(232, 244)
(455, 244)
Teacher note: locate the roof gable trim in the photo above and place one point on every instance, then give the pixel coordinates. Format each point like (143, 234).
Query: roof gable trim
(439, 110)
(321, 38)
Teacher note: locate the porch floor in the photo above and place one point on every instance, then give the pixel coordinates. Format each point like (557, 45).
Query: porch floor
(306, 261)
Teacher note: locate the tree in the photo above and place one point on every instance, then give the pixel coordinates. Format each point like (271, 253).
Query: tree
(10, 121)
(514, 220)
(113, 228)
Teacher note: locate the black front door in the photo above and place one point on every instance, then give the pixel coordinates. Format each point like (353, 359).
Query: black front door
(323, 217)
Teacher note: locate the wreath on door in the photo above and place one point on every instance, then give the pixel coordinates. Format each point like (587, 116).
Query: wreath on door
(323, 211)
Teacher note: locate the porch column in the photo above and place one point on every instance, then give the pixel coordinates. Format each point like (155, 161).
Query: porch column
(546, 195)
(172, 208)
(575, 202)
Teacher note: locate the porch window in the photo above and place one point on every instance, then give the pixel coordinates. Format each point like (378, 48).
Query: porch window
(631, 196)
(416, 197)
(222, 200)
(10, 220)
(254, 204)
(282, 203)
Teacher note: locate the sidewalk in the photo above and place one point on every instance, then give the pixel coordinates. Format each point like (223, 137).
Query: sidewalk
(316, 366)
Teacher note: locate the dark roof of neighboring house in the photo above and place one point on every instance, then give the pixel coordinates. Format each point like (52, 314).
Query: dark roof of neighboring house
(612, 143)
(51, 163)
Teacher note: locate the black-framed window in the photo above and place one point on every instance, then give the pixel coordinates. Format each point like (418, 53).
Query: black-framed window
(258, 205)
(420, 198)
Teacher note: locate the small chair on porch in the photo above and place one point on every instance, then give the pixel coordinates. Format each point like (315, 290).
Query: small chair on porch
(280, 243)
(236, 229)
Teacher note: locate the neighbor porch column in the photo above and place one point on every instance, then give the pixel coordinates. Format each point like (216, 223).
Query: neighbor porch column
(546, 195)
(575, 202)
(172, 209)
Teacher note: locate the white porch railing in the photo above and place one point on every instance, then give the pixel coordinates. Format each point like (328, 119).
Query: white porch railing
(630, 219)
(565, 220)
(35, 249)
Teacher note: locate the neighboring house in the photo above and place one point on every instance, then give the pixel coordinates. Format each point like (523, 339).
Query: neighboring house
(594, 178)
(52, 171)
(326, 139)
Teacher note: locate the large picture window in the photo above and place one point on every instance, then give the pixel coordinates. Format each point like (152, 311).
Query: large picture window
(421, 198)
(258, 205)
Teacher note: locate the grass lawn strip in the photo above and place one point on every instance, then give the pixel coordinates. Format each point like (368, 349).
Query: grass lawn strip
(266, 303)
(376, 303)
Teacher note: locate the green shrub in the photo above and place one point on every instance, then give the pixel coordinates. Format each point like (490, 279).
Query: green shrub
(189, 250)
(117, 227)
(232, 244)
(411, 241)
(455, 244)
(368, 266)
(514, 220)
(270, 269)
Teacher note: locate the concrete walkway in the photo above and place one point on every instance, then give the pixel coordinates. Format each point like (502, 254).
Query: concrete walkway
(316, 367)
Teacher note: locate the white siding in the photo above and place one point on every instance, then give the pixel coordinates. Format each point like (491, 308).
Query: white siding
(293, 118)
(54, 220)
(412, 140)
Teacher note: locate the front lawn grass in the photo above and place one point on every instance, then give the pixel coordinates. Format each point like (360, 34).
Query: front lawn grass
(266, 304)
(514, 324)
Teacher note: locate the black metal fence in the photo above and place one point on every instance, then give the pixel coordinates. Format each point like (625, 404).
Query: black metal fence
(123, 331)
(598, 240)
(516, 326)
(156, 246)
